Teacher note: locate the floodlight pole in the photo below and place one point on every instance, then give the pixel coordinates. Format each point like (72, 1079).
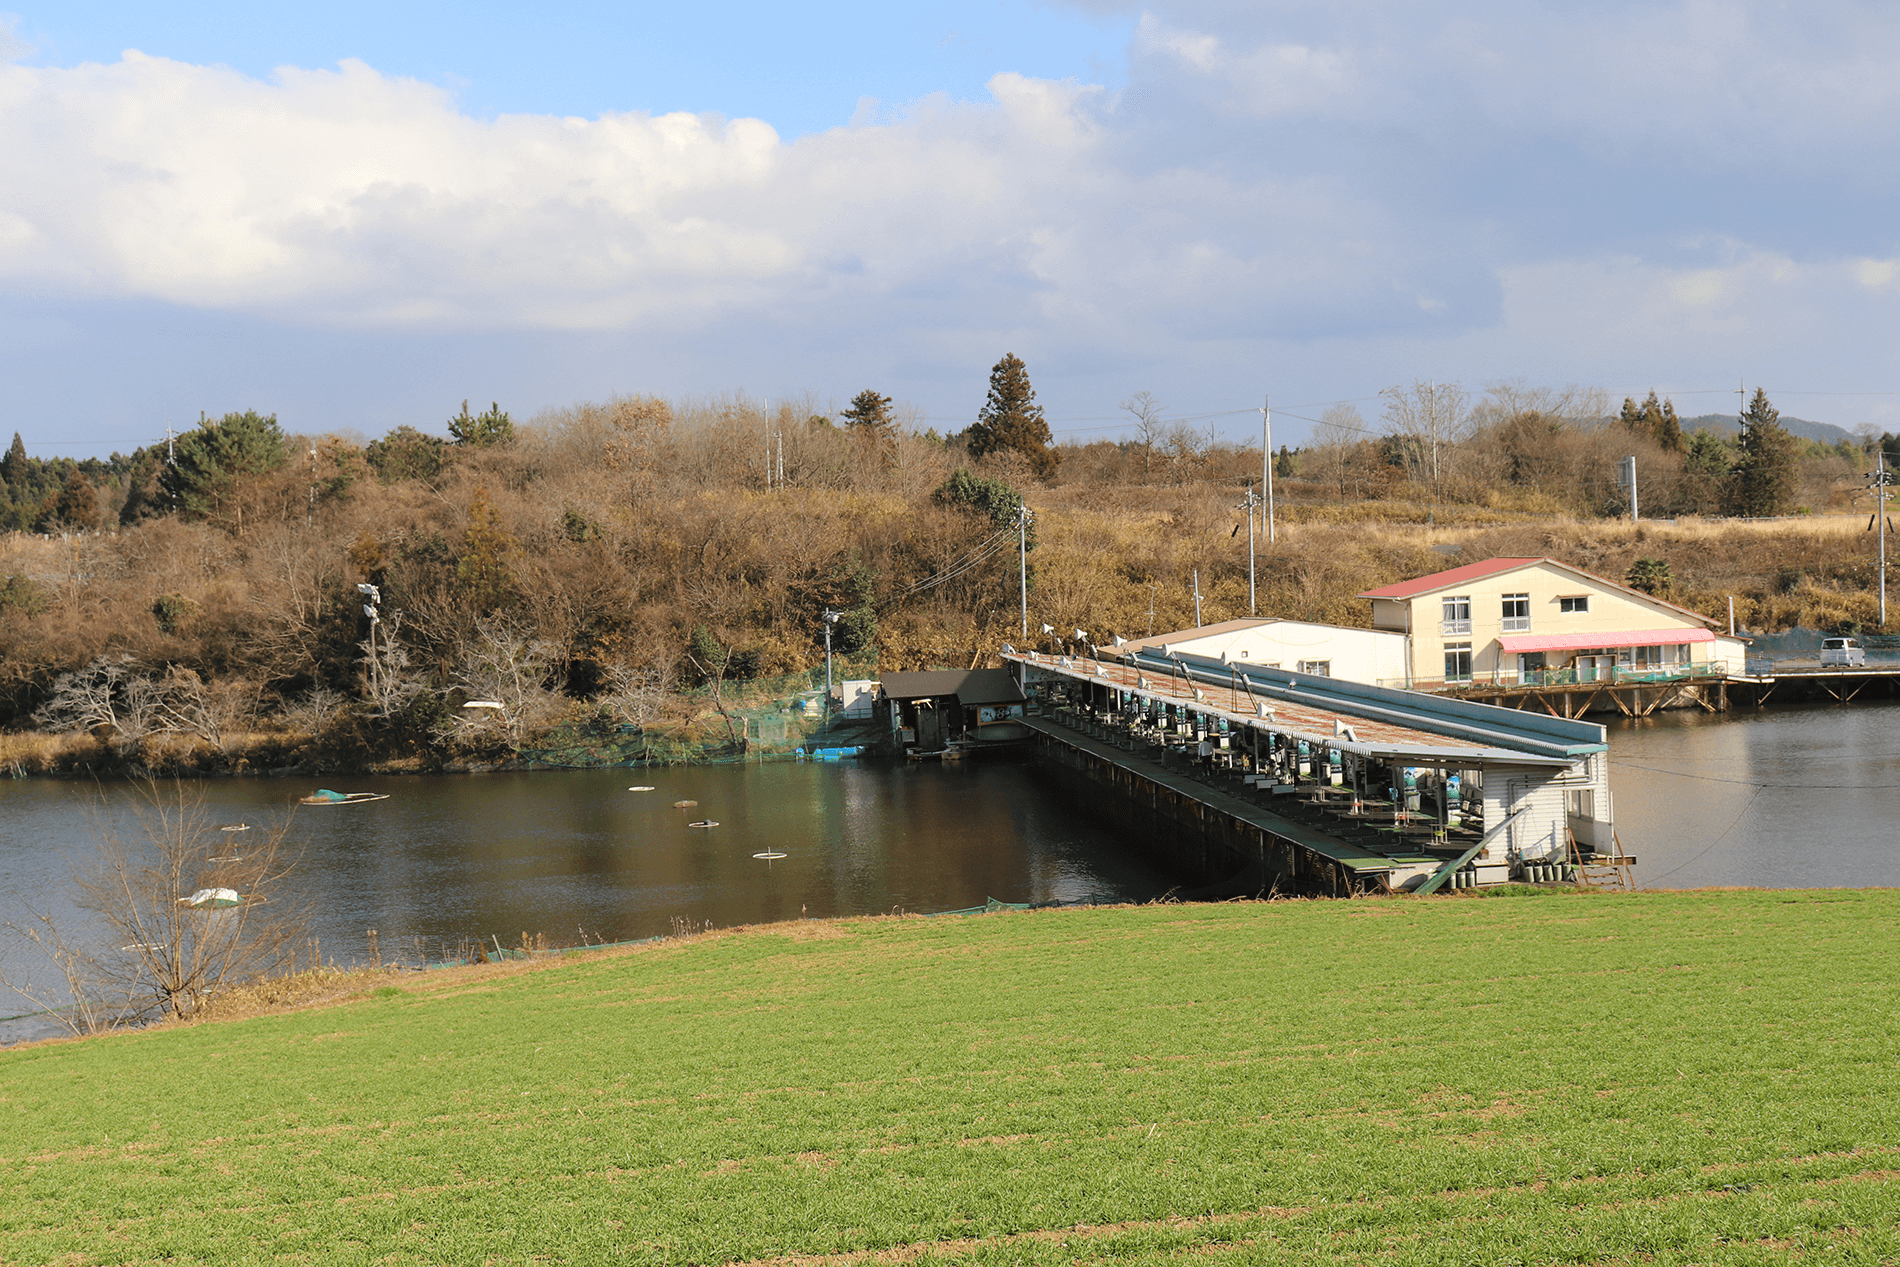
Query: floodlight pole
(831, 618)
(1197, 598)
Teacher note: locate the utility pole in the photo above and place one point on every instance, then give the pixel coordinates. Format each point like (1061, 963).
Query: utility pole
(1152, 587)
(1266, 458)
(1880, 480)
(1022, 555)
(1253, 499)
(1628, 472)
(1197, 598)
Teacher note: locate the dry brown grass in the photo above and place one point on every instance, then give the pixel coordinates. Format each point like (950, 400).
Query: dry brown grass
(1102, 560)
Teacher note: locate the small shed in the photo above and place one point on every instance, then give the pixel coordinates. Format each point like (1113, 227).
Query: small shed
(857, 697)
(930, 711)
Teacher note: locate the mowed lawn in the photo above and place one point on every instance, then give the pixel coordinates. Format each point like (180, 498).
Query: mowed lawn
(1707, 1077)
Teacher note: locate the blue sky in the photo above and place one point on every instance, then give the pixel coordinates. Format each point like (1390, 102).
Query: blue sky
(356, 217)
(801, 68)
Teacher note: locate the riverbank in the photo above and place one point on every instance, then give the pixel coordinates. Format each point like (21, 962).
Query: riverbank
(1700, 1076)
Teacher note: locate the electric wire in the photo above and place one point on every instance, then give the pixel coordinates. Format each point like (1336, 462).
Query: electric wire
(1733, 824)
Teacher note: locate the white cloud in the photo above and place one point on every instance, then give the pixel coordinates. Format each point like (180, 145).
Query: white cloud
(1525, 188)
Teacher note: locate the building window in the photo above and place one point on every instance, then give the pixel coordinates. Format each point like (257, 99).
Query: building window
(1457, 662)
(1457, 615)
(1319, 668)
(1577, 603)
(1517, 613)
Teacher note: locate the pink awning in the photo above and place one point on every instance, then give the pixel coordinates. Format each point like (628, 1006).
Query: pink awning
(1578, 641)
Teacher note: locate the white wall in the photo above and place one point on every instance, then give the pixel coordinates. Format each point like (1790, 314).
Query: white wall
(1357, 655)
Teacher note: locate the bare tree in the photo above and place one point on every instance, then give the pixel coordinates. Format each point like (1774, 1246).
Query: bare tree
(387, 678)
(1149, 427)
(186, 907)
(633, 695)
(1428, 417)
(505, 663)
(110, 692)
(313, 711)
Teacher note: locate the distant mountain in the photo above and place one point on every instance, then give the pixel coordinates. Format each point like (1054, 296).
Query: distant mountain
(1725, 425)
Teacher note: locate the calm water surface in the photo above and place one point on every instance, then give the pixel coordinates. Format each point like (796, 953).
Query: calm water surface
(453, 857)
(1797, 797)
(1780, 798)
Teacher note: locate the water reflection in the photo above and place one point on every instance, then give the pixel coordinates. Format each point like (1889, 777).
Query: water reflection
(1796, 797)
(575, 854)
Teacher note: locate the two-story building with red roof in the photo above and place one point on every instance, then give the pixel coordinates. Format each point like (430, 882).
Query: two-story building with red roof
(1511, 620)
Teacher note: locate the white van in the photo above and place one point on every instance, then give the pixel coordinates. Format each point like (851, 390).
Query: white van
(1842, 653)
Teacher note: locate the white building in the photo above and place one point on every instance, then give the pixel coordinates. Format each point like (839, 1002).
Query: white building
(1511, 620)
(1358, 655)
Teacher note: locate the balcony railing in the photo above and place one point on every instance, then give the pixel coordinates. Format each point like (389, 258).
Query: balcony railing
(1623, 673)
(1454, 627)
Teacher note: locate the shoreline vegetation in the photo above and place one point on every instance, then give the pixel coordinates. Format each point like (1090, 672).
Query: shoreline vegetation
(1683, 1076)
(640, 580)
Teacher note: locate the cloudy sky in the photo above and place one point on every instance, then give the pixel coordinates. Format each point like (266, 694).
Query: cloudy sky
(358, 217)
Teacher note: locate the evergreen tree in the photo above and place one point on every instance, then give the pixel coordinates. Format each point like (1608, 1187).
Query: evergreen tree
(481, 431)
(482, 576)
(1762, 481)
(407, 454)
(77, 506)
(13, 465)
(871, 413)
(1668, 428)
(1632, 414)
(1011, 419)
(212, 460)
(1651, 576)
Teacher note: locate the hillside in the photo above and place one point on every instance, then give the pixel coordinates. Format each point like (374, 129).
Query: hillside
(1725, 425)
(653, 581)
(1682, 1077)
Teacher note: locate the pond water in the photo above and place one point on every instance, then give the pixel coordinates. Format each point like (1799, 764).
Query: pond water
(1794, 797)
(1781, 798)
(576, 855)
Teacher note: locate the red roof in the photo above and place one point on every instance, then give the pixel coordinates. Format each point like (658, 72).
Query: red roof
(1455, 576)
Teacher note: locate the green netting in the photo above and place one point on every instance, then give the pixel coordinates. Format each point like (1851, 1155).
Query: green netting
(989, 904)
(771, 717)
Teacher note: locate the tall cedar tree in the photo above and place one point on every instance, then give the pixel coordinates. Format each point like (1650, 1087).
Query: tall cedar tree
(1655, 419)
(1011, 419)
(1762, 481)
(482, 577)
(213, 459)
(13, 465)
(871, 413)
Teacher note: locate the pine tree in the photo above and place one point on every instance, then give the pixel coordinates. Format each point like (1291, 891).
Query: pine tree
(870, 412)
(1011, 419)
(483, 430)
(1762, 481)
(211, 461)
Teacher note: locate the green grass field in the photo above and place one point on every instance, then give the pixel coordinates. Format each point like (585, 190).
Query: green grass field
(1669, 1078)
